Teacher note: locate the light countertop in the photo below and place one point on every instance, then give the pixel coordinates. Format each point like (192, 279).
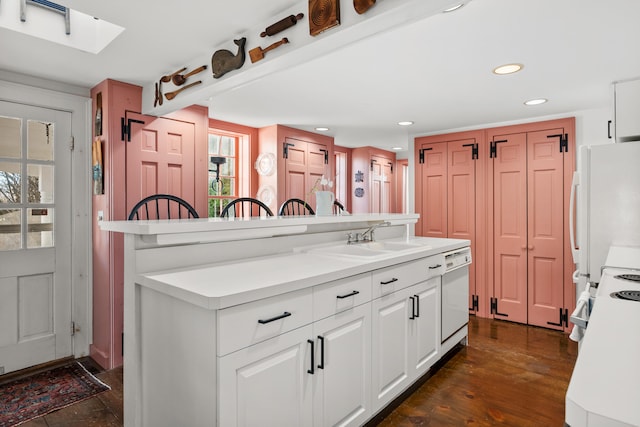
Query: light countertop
(218, 286)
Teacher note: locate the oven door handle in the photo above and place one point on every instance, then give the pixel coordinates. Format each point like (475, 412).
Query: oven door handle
(582, 306)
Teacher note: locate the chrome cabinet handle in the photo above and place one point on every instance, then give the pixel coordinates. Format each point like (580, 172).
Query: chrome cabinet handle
(273, 319)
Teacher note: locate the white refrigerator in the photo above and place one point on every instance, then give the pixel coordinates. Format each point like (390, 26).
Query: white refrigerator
(607, 186)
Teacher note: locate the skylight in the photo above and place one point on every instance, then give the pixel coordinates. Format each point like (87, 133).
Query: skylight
(48, 21)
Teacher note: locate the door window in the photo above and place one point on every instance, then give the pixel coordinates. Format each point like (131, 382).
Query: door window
(223, 178)
(26, 184)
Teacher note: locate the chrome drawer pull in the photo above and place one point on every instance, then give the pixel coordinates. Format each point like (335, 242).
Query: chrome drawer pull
(433, 267)
(347, 295)
(273, 319)
(389, 281)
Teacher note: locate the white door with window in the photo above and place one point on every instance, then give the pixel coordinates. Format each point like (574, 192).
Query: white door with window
(35, 235)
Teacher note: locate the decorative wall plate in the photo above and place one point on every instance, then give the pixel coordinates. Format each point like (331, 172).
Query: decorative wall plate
(359, 192)
(266, 194)
(323, 14)
(265, 164)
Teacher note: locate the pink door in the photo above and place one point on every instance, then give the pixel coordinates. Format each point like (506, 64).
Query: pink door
(160, 159)
(546, 230)
(305, 165)
(461, 190)
(381, 179)
(433, 210)
(510, 227)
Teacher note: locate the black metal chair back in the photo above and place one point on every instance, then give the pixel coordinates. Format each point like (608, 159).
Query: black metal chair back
(162, 206)
(338, 208)
(295, 207)
(245, 207)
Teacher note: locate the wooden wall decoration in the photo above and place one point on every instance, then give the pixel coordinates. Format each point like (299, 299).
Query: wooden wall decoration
(223, 60)
(361, 6)
(282, 25)
(323, 14)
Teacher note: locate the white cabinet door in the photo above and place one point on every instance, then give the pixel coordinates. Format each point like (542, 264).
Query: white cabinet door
(342, 380)
(390, 372)
(424, 339)
(268, 384)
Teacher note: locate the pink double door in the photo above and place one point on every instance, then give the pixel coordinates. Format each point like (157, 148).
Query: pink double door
(528, 211)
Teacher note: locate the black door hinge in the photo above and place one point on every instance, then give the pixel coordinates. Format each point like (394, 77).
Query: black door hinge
(564, 141)
(372, 162)
(285, 149)
(474, 150)
(474, 303)
(421, 154)
(326, 156)
(493, 149)
(391, 166)
(564, 319)
(494, 308)
(125, 128)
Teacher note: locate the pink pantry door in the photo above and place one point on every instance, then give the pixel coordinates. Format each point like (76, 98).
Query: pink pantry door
(461, 184)
(510, 227)
(434, 190)
(546, 230)
(160, 159)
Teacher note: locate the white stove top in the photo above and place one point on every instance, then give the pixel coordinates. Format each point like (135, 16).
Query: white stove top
(605, 384)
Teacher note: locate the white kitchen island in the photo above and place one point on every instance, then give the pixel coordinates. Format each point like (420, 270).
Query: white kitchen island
(277, 321)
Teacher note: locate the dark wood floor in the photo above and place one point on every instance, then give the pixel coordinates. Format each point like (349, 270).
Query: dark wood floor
(509, 375)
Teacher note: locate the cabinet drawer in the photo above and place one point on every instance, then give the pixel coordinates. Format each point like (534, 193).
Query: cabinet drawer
(391, 279)
(334, 297)
(247, 324)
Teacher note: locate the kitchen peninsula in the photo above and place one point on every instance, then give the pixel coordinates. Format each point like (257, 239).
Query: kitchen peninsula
(278, 321)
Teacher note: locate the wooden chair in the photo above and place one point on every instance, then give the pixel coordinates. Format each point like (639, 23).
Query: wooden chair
(338, 208)
(295, 207)
(156, 205)
(245, 207)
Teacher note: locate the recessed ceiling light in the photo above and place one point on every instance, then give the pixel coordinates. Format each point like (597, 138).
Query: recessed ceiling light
(322, 129)
(508, 69)
(405, 123)
(456, 7)
(397, 148)
(537, 101)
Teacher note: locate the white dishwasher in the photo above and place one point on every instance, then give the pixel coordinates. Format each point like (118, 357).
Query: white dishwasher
(455, 292)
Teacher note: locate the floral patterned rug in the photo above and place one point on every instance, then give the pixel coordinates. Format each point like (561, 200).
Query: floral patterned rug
(26, 398)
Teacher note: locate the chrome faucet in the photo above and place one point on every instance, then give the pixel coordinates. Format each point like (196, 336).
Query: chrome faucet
(367, 235)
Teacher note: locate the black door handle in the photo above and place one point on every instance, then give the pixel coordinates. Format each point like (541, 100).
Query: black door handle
(321, 365)
(273, 319)
(310, 371)
(347, 295)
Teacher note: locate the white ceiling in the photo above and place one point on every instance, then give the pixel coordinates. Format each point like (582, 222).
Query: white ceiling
(436, 72)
